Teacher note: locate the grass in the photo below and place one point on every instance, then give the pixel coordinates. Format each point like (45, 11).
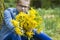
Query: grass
(52, 22)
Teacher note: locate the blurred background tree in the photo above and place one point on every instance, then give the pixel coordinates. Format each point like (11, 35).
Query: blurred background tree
(36, 3)
(45, 3)
(1, 12)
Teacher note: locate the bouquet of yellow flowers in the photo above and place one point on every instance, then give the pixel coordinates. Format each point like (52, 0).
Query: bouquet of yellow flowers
(24, 24)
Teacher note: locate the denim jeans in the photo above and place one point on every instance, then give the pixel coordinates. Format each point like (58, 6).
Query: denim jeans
(13, 36)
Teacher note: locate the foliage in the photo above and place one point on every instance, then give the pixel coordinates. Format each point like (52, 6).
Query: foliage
(36, 3)
(52, 22)
(9, 3)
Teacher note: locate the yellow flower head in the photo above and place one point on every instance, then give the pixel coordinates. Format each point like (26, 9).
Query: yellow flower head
(28, 22)
(29, 34)
(18, 31)
(15, 23)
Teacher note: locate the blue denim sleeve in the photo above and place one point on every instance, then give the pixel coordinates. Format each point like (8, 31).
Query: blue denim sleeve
(7, 19)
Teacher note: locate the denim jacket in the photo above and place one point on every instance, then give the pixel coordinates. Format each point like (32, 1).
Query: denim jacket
(7, 26)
